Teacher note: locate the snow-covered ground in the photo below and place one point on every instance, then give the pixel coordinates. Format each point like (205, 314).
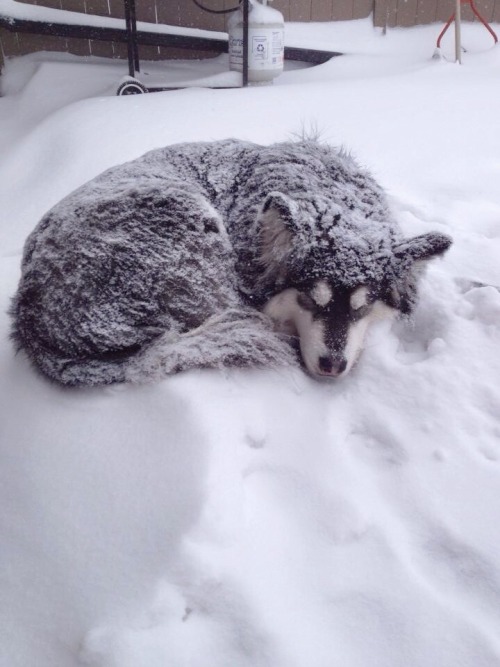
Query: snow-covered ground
(258, 519)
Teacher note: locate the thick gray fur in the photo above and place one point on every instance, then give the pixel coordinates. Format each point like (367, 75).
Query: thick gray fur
(160, 265)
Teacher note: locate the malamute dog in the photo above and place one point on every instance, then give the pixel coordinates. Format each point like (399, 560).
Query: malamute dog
(215, 254)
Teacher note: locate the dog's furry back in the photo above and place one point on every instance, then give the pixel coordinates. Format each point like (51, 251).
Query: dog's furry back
(132, 276)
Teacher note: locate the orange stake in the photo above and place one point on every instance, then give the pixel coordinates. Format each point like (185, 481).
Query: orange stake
(476, 13)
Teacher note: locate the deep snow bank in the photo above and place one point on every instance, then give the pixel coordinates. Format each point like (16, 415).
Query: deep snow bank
(259, 518)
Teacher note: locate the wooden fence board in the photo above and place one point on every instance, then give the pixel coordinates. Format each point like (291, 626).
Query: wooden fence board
(81, 47)
(426, 12)
(486, 9)
(9, 42)
(120, 51)
(168, 13)
(53, 4)
(32, 43)
(194, 17)
(101, 49)
(321, 10)
(362, 8)
(444, 9)
(146, 11)
(406, 12)
(284, 6)
(99, 7)
(300, 10)
(466, 14)
(392, 13)
(380, 13)
(117, 8)
(74, 5)
(98, 48)
(342, 10)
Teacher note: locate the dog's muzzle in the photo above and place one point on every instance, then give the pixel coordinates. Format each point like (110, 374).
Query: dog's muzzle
(331, 366)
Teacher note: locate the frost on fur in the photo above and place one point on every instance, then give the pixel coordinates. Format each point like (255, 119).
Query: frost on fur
(162, 264)
(236, 338)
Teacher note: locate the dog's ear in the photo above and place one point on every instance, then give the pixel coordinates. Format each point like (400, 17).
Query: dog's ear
(414, 254)
(275, 235)
(276, 225)
(424, 247)
(279, 207)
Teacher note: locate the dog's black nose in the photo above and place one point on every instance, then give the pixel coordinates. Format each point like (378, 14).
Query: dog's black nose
(332, 365)
(325, 364)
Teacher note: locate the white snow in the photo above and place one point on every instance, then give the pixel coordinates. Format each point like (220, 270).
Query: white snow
(26, 11)
(259, 518)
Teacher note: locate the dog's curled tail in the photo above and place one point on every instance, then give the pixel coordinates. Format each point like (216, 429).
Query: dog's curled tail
(237, 337)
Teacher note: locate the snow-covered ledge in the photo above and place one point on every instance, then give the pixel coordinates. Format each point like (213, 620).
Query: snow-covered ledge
(12, 11)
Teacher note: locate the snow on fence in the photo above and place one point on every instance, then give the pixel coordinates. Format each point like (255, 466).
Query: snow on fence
(388, 13)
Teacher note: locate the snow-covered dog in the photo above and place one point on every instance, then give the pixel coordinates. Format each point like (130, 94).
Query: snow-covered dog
(214, 254)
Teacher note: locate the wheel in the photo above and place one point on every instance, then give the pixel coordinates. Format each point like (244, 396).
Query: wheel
(131, 87)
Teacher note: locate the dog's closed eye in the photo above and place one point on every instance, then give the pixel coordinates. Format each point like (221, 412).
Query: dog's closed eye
(305, 301)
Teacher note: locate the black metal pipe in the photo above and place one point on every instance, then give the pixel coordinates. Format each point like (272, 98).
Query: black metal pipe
(245, 43)
(133, 24)
(130, 47)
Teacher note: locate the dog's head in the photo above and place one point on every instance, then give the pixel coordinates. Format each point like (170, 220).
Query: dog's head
(327, 278)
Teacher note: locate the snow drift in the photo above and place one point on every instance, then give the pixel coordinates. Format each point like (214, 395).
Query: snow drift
(255, 517)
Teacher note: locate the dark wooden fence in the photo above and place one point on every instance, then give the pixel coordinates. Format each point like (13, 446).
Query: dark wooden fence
(406, 13)
(388, 13)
